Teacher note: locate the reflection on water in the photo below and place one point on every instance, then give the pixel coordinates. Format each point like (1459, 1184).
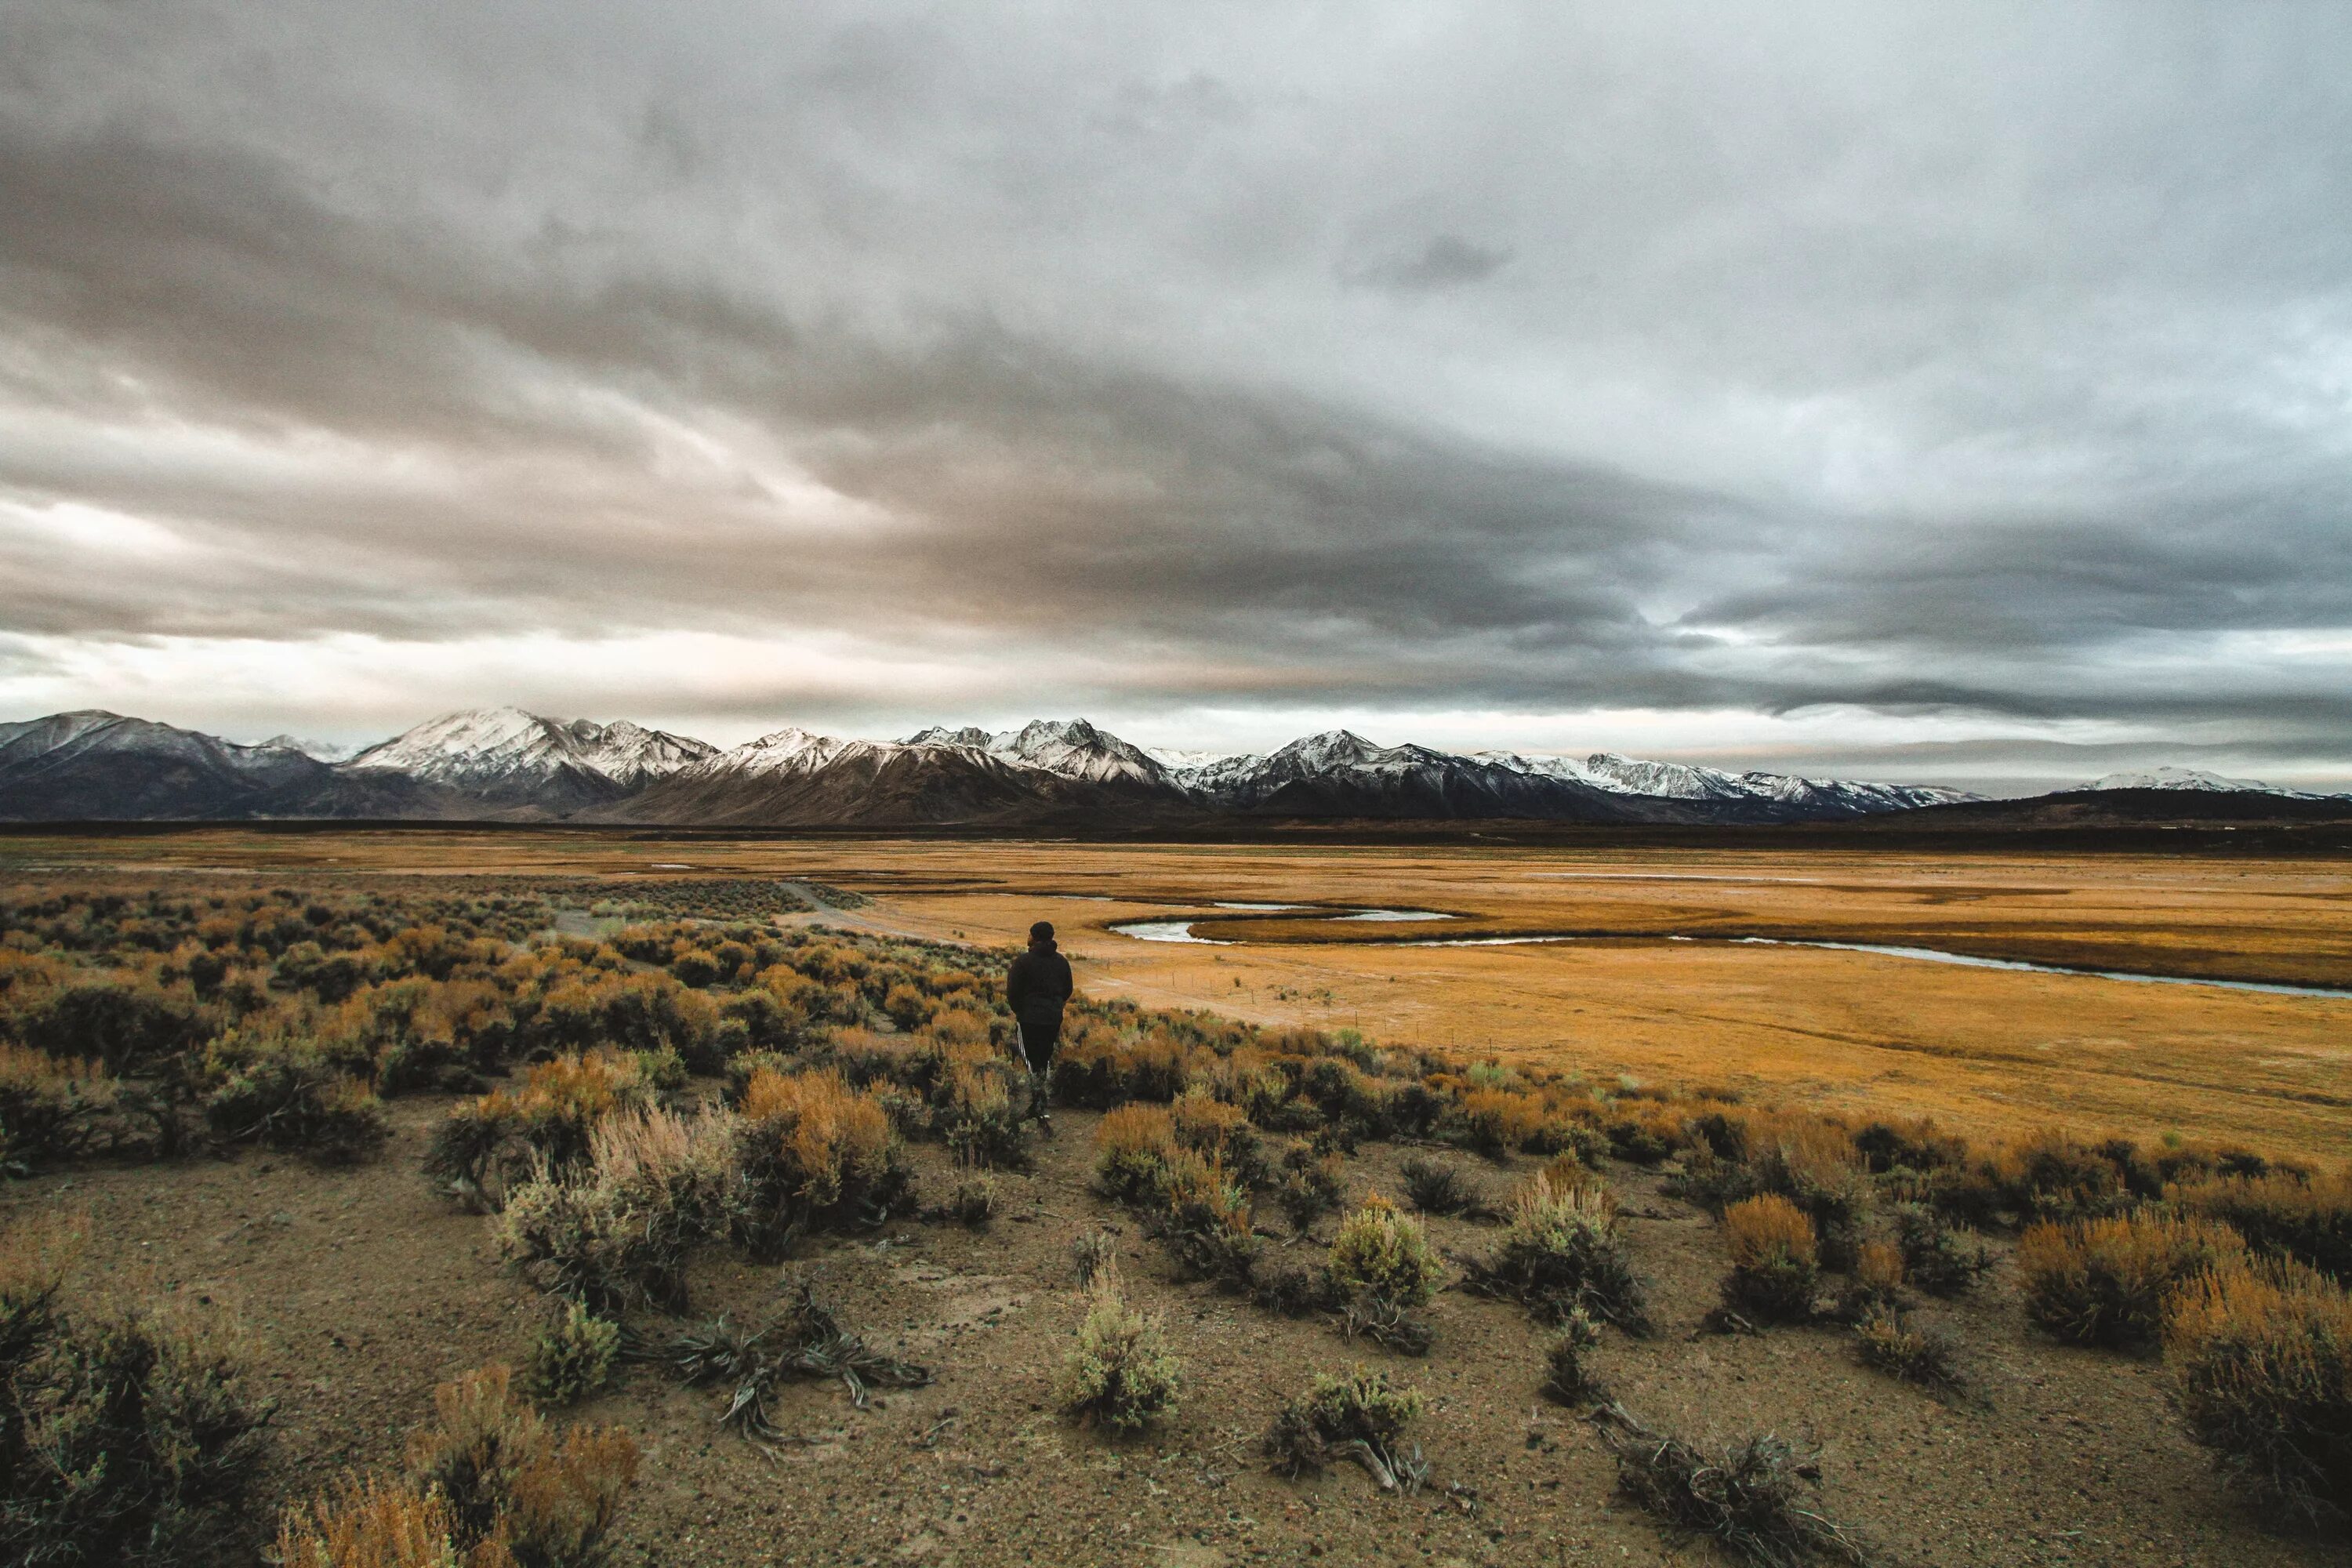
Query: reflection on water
(1165, 931)
(1970, 960)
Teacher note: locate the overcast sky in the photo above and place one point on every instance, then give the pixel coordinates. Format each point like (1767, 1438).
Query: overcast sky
(1947, 392)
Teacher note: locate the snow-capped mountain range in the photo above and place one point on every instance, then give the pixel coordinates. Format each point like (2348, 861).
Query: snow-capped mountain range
(505, 751)
(506, 763)
(2197, 778)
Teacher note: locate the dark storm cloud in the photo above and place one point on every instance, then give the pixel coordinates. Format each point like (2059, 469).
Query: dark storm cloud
(1446, 262)
(1990, 367)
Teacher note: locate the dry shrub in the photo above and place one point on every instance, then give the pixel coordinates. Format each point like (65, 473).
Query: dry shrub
(129, 1438)
(1386, 1321)
(2260, 1354)
(1886, 1339)
(1094, 1255)
(1915, 1145)
(2053, 1175)
(1219, 1131)
(614, 1235)
(505, 1474)
(973, 1202)
(584, 1241)
(375, 1523)
(1876, 1283)
(1120, 1374)
(1813, 1163)
(1940, 1259)
(1386, 1255)
(1312, 1183)
(1879, 1269)
(1568, 1377)
(1086, 1070)
(981, 1118)
(1096, 1067)
(1207, 1224)
(125, 1021)
(51, 1108)
(1496, 1120)
(1437, 1187)
(34, 1257)
(1290, 1288)
(1561, 1251)
(2104, 1281)
(1132, 1148)
(1774, 1261)
(809, 1151)
(1643, 1132)
(546, 1120)
(1156, 1067)
(1754, 1498)
(1808, 1159)
(572, 1356)
(1358, 1417)
(2309, 1218)
(265, 1085)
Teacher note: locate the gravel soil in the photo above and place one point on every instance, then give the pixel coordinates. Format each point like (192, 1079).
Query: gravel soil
(357, 1290)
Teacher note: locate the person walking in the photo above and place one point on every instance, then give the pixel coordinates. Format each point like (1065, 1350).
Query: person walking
(1036, 987)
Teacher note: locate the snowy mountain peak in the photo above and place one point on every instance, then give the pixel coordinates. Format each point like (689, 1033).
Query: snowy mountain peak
(940, 735)
(485, 746)
(1331, 749)
(319, 751)
(2193, 778)
(1076, 748)
(786, 750)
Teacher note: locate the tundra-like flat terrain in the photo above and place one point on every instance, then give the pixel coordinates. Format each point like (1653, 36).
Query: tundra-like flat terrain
(1987, 1048)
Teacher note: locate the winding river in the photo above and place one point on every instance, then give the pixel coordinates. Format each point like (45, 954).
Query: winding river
(1180, 931)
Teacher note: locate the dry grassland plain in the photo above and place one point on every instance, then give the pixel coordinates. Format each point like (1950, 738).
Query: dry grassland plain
(1983, 1049)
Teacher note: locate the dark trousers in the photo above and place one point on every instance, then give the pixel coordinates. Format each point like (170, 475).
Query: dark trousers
(1039, 1038)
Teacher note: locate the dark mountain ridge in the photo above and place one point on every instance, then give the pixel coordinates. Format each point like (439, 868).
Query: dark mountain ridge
(507, 765)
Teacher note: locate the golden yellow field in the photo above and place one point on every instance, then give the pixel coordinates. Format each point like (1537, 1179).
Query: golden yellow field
(1978, 1048)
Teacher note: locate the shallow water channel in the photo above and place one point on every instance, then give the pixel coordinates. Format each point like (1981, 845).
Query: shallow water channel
(1181, 931)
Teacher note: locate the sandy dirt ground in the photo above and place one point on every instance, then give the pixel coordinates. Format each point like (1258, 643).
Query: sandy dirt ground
(357, 1290)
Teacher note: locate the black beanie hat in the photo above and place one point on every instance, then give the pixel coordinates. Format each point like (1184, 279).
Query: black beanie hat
(1041, 931)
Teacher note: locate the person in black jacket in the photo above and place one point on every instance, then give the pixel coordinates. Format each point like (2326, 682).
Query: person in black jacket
(1036, 987)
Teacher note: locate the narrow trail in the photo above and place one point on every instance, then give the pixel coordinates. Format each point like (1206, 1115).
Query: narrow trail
(824, 910)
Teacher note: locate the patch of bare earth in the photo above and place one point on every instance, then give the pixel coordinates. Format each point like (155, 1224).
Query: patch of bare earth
(359, 1289)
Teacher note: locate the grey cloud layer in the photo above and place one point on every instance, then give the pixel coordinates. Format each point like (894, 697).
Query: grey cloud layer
(1535, 358)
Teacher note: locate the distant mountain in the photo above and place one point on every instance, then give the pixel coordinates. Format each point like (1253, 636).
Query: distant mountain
(793, 778)
(319, 750)
(1770, 796)
(1341, 774)
(1070, 747)
(504, 756)
(94, 766)
(2169, 807)
(506, 763)
(2198, 779)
